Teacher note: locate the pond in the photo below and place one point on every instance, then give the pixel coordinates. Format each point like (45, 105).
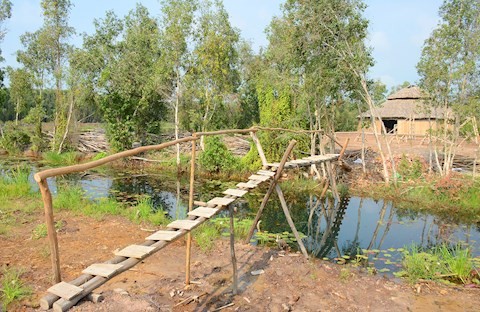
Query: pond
(352, 229)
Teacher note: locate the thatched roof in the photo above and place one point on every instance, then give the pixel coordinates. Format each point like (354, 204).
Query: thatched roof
(407, 103)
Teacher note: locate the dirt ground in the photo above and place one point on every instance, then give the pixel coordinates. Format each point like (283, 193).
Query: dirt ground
(416, 145)
(288, 283)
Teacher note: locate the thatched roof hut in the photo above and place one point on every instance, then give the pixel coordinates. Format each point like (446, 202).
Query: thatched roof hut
(406, 112)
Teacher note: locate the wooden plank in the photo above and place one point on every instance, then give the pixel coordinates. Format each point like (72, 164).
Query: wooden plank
(301, 162)
(259, 177)
(203, 212)
(65, 290)
(221, 201)
(135, 251)
(102, 269)
(235, 192)
(184, 224)
(164, 235)
(246, 185)
(266, 173)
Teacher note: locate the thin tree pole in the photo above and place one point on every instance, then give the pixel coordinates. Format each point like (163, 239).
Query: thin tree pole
(232, 251)
(190, 207)
(289, 220)
(270, 190)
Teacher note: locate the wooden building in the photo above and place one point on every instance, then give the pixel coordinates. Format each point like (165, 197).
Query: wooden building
(405, 113)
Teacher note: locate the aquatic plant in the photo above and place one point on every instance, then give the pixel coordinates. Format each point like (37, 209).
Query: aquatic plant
(441, 263)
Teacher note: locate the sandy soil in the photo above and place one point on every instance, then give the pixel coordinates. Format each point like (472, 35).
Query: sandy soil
(289, 282)
(417, 145)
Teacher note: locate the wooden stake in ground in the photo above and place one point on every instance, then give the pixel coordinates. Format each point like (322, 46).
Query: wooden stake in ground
(290, 221)
(232, 250)
(190, 207)
(52, 233)
(270, 190)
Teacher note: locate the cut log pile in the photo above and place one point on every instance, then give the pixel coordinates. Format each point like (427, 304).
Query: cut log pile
(92, 141)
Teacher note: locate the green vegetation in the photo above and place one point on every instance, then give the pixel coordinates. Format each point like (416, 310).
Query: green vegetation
(454, 196)
(40, 230)
(12, 287)
(55, 159)
(442, 263)
(206, 234)
(14, 183)
(217, 157)
(145, 212)
(269, 239)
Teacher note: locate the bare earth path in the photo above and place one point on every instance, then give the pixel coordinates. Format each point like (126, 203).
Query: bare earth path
(289, 282)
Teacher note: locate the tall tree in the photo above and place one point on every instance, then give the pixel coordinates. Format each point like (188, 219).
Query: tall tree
(20, 90)
(34, 59)
(450, 70)
(123, 60)
(5, 13)
(177, 25)
(57, 32)
(213, 77)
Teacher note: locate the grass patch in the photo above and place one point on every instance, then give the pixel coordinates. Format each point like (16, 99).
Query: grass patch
(58, 160)
(14, 183)
(70, 198)
(40, 231)
(442, 263)
(12, 287)
(205, 236)
(454, 197)
(144, 211)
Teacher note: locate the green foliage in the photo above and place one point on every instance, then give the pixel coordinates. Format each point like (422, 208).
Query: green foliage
(410, 169)
(205, 236)
(12, 287)
(213, 78)
(440, 263)
(40, 230)
(55, 159)
(99, 156)
(70, 198)
(251, 161)
(145, 212)
(121, 58)
(216, 156)
(15, 184)
(15, 139)
(266, 238)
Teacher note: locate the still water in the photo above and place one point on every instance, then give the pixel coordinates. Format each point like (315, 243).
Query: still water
(334, 230)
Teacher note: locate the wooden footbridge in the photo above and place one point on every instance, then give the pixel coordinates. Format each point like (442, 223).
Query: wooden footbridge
(64, 295)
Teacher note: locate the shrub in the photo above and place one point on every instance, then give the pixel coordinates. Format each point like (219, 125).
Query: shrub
(14, 138)
(217, 157)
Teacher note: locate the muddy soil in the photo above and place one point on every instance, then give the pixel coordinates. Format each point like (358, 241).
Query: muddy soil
(288, 281)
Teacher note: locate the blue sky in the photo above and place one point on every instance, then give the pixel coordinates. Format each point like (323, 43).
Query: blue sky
(397, 28)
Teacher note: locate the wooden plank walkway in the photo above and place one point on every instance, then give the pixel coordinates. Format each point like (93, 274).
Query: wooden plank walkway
(63, 296)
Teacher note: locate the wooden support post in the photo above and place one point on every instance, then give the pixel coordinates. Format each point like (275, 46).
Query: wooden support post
(259, 149)
(232, 251)
(289, 220)
(52, 233)
(190, 207)
(270, 189)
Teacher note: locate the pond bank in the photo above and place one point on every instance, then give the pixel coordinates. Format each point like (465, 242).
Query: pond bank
(288, 282)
